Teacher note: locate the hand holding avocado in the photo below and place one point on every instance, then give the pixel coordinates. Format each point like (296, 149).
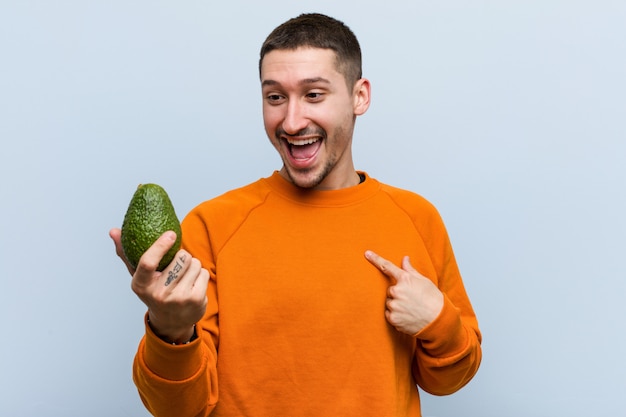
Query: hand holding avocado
(167, 279)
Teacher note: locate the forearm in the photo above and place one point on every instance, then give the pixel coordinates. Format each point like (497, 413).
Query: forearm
(448, 352)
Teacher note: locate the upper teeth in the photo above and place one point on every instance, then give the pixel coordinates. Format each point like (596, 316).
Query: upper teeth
(301, 142)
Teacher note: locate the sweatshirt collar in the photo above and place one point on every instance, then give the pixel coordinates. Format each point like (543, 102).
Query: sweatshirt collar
(323, 198)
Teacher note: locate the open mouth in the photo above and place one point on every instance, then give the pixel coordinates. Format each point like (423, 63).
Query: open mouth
(303, 149)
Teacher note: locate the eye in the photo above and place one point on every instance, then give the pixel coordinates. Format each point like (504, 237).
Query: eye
(314, 95)
(274, 98)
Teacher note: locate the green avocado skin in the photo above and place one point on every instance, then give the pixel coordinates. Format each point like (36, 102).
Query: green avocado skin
(149, 215)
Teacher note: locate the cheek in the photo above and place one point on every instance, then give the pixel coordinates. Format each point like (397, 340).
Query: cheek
(270, 131)
(271, 121)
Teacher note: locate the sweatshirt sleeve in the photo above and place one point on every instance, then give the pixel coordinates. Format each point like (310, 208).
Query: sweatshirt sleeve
(173, 380)
(448, 350)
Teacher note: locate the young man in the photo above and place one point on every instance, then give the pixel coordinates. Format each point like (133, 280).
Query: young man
(330, 294)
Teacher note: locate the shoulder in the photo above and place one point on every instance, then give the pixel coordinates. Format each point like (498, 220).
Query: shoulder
(408, 201)
(423, 214)
(210, 224)
(233, 204)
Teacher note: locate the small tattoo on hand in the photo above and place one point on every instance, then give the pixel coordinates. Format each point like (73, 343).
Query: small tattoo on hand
(173, 274)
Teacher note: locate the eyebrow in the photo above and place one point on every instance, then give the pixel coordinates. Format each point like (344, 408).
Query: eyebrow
(304, 81)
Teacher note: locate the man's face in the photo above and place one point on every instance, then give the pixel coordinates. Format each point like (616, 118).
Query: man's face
(309, 115)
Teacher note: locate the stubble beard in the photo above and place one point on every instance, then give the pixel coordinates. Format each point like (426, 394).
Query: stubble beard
(309, 182)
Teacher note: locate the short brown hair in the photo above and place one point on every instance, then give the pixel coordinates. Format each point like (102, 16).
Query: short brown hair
(319, 31)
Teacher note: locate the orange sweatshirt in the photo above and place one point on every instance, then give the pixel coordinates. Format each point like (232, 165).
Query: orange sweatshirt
(295, 324)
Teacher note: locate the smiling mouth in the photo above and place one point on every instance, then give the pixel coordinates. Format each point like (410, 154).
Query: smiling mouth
(303, 149)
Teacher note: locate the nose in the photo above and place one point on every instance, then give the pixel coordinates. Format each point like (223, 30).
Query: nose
(295, 118)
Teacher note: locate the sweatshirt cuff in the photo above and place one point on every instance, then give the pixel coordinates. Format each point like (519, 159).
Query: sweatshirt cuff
(171, 362)
(445, 335)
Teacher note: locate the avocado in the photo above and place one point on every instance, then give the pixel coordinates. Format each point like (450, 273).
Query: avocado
(149, 215)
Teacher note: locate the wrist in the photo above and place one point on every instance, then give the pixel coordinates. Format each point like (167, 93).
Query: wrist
(174, 338)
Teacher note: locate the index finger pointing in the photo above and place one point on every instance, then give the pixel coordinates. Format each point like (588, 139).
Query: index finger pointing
(385, 266)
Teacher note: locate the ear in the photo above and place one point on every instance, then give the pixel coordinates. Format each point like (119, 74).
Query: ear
(362, 94)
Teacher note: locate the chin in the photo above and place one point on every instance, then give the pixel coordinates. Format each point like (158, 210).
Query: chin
(306, 179)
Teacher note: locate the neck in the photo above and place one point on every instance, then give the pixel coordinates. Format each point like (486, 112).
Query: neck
(329, 182)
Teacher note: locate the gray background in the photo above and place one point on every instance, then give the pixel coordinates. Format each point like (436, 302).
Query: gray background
(508, 115)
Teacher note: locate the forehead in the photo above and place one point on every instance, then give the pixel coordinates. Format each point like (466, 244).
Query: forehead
(300, 63)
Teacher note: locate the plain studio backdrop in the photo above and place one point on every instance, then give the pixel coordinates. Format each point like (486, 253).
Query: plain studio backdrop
(508, 115)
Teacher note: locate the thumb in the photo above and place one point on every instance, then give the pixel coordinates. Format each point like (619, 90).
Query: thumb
(408, 267)
(150, 260)
(406, 264)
